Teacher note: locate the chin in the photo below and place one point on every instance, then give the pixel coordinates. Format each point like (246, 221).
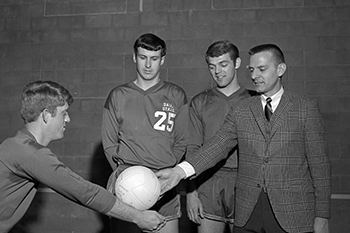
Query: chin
(60, 136)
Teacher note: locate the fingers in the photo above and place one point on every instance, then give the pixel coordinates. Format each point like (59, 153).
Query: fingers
(158, 227)
(193, 215)
(197, 219)
(164, 186)
(200, 211)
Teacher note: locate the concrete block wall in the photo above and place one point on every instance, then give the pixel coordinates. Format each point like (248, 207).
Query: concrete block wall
(87, 47)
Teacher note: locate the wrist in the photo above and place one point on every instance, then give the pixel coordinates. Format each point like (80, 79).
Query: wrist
(180, 172)
(138, 216)
(194, 193)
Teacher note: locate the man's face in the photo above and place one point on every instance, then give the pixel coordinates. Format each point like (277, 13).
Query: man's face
(56, 123)
(223, 69)
(266, 73)
(148, 63)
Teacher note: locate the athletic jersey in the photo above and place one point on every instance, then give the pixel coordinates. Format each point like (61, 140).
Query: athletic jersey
(207, 113)
(24, 164)
(145, 127)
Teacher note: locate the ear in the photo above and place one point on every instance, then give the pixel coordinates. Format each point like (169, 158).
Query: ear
(45, 115)
(134, 57)
(281, 69)
(162, 60)
(238, 63)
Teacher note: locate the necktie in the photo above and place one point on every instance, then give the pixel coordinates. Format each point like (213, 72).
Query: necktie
(268, 109)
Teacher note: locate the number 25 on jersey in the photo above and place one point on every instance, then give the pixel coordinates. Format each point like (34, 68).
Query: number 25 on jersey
(165, 121)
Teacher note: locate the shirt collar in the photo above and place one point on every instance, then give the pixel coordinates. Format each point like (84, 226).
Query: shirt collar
(275, 99)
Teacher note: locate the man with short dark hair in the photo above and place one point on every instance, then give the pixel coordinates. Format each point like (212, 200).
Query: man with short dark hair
(283, 182)
(144, 124)
(210, 198)
(25, 161)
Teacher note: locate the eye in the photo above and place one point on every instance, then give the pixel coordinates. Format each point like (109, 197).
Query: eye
(224, 64)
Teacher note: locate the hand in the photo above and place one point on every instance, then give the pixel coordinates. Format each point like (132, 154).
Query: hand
(321, 225)
(169, 178)
(194, 207)
(150, 221)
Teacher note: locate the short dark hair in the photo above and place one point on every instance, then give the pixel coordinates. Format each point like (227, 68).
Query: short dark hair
(40, 95)
(272, 48)
(150, 42)
(221, 47)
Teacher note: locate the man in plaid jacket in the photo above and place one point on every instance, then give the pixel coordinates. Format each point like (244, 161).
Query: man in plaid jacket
(283, 182)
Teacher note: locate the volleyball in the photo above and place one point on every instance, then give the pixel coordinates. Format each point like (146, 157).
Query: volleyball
(138, 186)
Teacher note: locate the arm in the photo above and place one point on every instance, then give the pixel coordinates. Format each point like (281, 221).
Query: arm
(195, 140)
(45, 168)
(194, 207)
(146, 220)
(208, 155)
(218, 146)
(180, 132)
(319, 165)
(109, 130)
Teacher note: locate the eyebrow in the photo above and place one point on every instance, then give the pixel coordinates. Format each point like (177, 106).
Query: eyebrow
(261, 66)
(218, 62)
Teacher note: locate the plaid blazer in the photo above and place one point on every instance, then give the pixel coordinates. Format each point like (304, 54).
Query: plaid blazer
(286, 157)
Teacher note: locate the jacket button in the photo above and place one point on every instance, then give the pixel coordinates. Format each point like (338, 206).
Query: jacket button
(266, 159)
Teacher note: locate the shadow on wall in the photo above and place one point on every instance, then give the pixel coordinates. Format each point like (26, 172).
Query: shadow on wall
(98, 173)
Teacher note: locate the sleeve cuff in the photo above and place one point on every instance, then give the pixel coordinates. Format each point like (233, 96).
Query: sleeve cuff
(187, 168)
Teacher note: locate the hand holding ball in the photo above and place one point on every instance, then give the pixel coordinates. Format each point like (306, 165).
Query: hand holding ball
(138, 186)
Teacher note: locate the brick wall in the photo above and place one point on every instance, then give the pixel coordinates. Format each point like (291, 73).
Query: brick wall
(87, 45)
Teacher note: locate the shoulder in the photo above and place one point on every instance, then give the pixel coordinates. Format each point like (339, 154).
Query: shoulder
(174, 92)
(121, 90)
(299, 99)
(202, 96)
(173, 87)
(22, 148)
(250, 92)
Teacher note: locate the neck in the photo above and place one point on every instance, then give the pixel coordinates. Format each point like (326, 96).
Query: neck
(231, 88)
(146, 84)
(37, 132)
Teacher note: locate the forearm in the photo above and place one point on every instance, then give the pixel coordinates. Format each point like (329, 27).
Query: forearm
(212, 152)
(124, 212)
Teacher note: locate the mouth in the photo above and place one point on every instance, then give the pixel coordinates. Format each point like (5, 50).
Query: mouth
(257, 83)
(219, 78)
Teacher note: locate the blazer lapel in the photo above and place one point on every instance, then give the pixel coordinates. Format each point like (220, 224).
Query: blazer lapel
(259, 116)
(280, 114)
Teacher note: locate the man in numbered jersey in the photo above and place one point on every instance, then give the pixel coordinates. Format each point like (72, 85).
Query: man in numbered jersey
(210, 197)
(144, 124)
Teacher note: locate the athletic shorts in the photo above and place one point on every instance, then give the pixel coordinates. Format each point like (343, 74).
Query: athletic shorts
(217, 195)
(168, 206)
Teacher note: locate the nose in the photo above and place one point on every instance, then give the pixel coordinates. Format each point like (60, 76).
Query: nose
(67, 119)
(217, 69)
(148, 63)
(254, 74)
